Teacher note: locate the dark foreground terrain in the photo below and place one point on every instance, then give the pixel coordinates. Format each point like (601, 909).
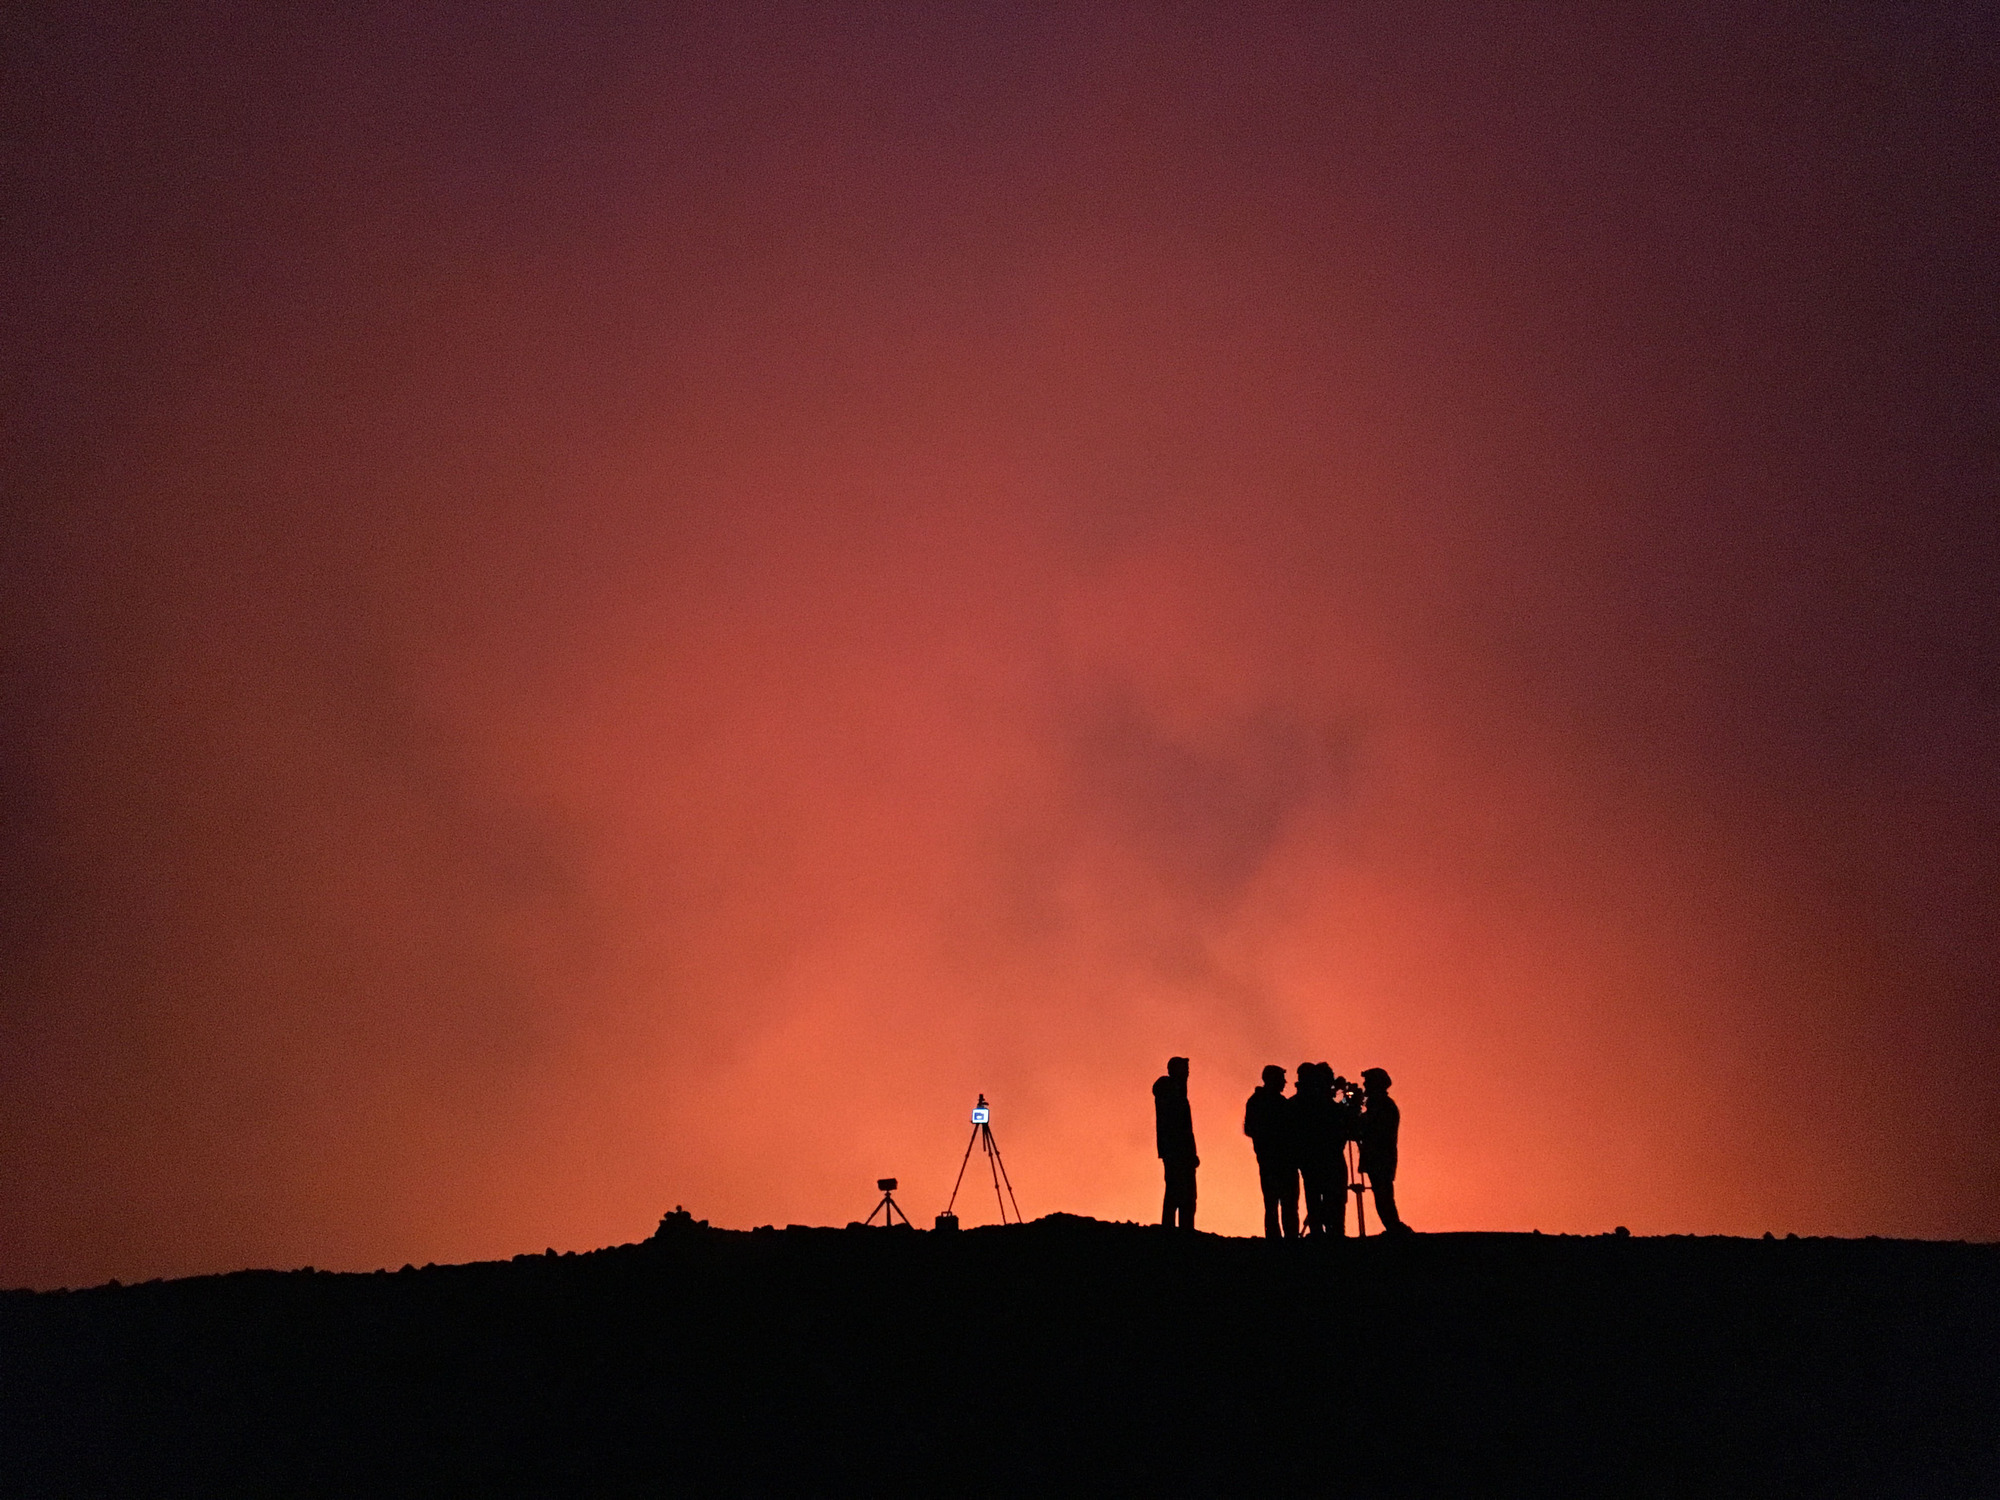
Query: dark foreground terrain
(1062, 1355)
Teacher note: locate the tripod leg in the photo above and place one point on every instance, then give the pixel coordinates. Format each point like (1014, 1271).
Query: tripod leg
(961, 1169)
(1003, 1174)
(992, 1167)
(1360, 1203)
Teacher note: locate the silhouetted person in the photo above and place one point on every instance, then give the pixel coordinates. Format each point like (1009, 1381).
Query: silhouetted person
(1380, 1120)
(1319, 1142)
(1267, 1121)
(1173, 1129)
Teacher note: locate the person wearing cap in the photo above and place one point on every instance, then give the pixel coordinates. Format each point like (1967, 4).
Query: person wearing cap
(1267, 1121)
(1380, 1121)
(1173, 1131)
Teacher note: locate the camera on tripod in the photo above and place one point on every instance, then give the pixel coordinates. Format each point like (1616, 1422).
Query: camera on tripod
(982, 1136)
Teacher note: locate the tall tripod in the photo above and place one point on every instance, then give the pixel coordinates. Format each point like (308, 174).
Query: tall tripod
(1354, 1186)
(982, 1136)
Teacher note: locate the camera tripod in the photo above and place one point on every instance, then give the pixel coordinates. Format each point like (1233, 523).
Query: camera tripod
(888, 1208)
(982, 1135)
(1357, 1187)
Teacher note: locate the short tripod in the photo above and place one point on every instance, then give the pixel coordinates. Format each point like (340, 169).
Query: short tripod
(888, 1208)
(982, 1135)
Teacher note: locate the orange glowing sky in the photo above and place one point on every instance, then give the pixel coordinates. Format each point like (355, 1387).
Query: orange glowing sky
(613, 607)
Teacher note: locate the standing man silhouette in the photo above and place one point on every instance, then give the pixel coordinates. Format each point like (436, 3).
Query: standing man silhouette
(1173, 1129)
(1267, 1121)
(1319, 1142)
(1380, 1122)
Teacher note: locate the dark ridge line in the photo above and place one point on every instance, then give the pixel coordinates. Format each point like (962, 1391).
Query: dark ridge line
(701, 1231)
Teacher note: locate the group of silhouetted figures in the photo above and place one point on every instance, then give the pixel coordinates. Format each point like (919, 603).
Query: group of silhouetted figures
(1301, 1140)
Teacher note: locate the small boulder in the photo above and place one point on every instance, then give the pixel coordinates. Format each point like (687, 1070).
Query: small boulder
(680, 1221)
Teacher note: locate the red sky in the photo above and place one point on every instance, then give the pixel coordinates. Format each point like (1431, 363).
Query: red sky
(608, 608)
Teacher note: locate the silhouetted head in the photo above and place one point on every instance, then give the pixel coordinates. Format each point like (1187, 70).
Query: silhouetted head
(1376, 1081)
(1177, 1068)
(1305, 1075)
(1274, 1076)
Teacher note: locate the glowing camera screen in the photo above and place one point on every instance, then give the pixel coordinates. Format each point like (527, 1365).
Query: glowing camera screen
(981, 1115)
